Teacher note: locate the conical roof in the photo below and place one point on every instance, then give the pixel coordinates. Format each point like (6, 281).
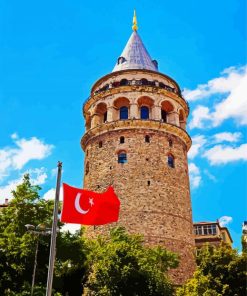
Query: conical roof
(135, 56)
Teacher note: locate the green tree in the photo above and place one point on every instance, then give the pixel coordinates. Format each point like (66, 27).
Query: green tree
(120, 264)
(221, 271)
(17, 247)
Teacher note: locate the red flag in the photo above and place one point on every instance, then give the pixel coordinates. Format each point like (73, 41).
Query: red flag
(89, 208)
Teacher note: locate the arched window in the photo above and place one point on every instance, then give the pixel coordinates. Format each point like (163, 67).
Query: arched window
(121, 60)
(124, 112)
(121, 140)
(164, 115)
(144, 112)
(124, 82)
(162, 85)
(170, 161)
(144, 81)
(122, 157)
(105, 116)
(147, 139)
(100, 144)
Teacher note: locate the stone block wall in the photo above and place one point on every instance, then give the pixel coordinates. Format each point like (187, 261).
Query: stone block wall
(155, 198)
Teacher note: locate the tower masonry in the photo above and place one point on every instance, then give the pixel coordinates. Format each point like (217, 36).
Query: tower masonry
(136, 141)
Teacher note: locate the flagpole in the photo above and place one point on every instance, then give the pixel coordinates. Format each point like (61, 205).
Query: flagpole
(54, 232)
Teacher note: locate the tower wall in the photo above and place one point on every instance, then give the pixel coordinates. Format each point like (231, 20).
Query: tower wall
(155, 197)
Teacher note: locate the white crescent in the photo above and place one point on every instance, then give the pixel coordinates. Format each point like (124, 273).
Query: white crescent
(77, 205)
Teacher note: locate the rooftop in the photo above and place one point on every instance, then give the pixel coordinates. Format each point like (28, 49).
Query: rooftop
(135, 55)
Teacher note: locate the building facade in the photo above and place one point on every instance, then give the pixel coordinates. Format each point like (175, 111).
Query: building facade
(136, 141)
(211, 233)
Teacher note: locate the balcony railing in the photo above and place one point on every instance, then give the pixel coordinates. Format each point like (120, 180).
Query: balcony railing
(133, 82)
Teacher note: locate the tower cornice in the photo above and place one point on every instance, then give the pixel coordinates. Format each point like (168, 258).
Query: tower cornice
(117, 73)
(138, 88)
(132, 124)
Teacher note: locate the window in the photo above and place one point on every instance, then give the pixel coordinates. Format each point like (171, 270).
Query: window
(100, 144)
(144, 112)
(121, 60)
(121, 140)
(164, 115)
(170, 143)
(144, 81)
(124, 112)
(147, 139)
(122, 157)
(149, 183)
(205, 229)
(170, 161)
(124, 82)
(105, 116)
(198, 230)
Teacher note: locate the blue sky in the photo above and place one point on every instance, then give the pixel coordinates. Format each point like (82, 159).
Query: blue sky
(51, 52)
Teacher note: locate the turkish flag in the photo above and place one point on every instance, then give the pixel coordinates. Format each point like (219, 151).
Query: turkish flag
(89, 208)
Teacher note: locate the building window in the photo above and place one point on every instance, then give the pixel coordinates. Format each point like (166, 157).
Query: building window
(164, 115)
(147, 139)
(170, 143)
(144, 112)
(149, 183)
(144, 81)
(105, 116)
(100, 144)
(121, 140)
(122, 157)
(170, 161)
(205, 229)
(124, 112)
(124, 82)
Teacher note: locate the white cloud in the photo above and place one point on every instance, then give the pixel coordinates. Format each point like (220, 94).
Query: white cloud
(15, 158)
(28, 150)
(226, 83)
(50, 194)
(225, 220)
(210, 176)
(227, 137)
(195, 176)
(220, 154)
(198, 142)
(233, 85)
(14, 136)
(38, 176)
(234, 106)
(5, 191)
(199, 116)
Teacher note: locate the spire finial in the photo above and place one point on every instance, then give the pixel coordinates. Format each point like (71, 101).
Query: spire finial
(134, 27)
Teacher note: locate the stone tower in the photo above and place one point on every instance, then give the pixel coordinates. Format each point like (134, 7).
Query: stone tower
(136, 140)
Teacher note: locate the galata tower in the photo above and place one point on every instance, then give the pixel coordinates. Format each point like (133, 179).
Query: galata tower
(136, 141)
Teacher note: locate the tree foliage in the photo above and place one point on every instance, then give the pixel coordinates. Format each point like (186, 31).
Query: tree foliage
(121, 265)
(17, 246)
(118, 264)
(221, 271)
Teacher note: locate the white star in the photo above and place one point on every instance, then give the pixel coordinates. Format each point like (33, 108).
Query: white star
(91, 202)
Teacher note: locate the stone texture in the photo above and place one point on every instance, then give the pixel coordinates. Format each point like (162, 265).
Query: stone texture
(155, 198)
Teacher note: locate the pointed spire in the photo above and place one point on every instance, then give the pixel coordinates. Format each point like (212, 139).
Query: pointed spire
(134, 27)
(135, 55)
